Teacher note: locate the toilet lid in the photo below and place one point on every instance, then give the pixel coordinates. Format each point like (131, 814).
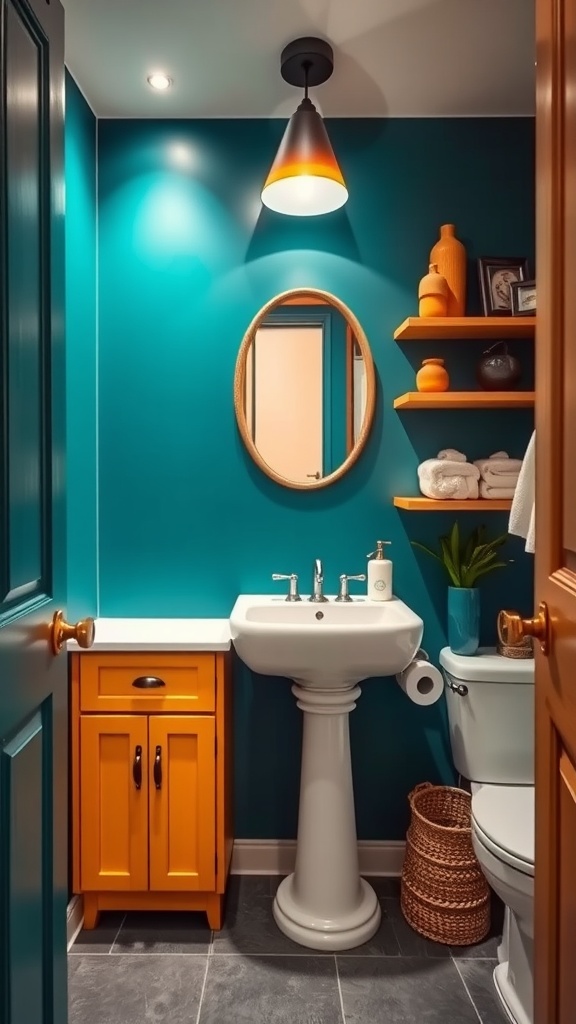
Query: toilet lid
(504, 820)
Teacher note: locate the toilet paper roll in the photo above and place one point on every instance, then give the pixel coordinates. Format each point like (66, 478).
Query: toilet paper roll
(421, 682)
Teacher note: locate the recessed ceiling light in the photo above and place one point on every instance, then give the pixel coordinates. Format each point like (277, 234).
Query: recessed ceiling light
(159, 81)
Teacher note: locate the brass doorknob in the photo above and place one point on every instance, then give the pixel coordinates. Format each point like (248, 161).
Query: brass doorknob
(61, 631)
(512, 627)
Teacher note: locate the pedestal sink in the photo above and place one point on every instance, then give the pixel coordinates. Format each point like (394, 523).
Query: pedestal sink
(327, 649)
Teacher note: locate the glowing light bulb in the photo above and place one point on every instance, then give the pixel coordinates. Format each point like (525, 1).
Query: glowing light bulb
(159, 81)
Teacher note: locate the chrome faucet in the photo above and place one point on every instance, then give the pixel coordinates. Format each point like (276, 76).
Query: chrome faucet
(317, 594)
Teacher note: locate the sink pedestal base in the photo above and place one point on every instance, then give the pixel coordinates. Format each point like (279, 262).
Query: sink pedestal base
(325, 904)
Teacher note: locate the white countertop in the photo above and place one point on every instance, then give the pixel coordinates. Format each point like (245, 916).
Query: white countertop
(159, 635)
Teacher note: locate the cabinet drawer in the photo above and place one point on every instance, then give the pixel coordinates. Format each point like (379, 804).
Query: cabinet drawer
(147, 682)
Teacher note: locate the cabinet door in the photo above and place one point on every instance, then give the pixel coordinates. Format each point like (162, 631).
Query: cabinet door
(113, 802)
(182, 779)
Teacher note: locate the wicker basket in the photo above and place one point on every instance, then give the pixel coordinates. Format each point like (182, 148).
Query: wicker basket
(444, 893)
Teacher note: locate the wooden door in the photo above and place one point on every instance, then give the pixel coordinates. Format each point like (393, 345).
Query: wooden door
(555, 918)
(114, 803)
(33, 683)
(182, 776)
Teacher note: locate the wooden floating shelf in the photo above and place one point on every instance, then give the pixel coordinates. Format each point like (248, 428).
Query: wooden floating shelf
(432, 505)
(465, 400)
(462, 328)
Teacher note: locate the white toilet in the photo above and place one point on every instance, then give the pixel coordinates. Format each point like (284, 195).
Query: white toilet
(491, 712)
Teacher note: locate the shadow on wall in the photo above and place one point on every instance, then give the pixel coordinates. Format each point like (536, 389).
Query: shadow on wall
(395, 744)
(267, 749)
(477, 433)
(274, 233)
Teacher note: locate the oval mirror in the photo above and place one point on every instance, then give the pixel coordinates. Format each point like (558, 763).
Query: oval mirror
(304, 388)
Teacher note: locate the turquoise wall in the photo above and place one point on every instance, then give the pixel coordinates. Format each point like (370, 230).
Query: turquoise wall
(80, 157)
(187, 256)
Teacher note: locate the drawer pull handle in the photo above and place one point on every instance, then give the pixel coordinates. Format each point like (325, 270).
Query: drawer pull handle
(148, 683)
(137, 767)
(158, 768)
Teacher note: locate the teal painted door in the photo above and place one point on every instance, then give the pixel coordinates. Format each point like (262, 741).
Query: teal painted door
(33, 683)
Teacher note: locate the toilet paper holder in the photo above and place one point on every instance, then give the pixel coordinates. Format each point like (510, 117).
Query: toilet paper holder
(460, 688)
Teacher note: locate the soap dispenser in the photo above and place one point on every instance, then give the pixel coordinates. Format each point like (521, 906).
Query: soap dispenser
(379, 574)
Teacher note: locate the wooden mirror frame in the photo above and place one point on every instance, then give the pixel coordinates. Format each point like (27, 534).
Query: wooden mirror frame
(308, 295)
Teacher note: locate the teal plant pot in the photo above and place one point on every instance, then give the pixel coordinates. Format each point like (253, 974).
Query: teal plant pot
(463, 619)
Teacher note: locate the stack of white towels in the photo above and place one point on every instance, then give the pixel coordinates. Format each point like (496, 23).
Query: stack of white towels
(498, 475)
(451, 476)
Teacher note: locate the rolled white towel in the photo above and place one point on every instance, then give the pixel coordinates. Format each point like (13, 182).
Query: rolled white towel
(442, 479)
(488, 491)
(501, 479)
(451, 455)
(498, 463)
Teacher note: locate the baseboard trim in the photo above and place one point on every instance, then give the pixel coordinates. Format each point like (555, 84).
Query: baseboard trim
(74, 919)
(274, 857)
(277, 857)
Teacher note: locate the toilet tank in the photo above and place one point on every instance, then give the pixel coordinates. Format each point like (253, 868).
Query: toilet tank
(492, 724)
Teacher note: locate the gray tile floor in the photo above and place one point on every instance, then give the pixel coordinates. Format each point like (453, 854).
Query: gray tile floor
(171, 969)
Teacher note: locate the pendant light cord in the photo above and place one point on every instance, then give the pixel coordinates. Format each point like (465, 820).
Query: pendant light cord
(306, 64)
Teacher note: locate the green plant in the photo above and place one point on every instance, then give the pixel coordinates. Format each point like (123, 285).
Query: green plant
(466, 561)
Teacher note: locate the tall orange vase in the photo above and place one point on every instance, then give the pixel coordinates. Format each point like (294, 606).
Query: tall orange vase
(450, 256)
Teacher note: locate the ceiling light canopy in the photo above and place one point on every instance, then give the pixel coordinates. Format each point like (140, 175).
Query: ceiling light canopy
(159, 81)
(305, 179)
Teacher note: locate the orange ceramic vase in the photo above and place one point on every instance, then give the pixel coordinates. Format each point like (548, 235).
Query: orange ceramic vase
(433, 293)
(450, 257)
(432, 376)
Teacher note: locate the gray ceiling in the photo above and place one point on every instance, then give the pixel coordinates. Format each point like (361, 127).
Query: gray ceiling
(397, 58)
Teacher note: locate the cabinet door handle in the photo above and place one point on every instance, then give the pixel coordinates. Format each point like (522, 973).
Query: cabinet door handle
(158, 768)
(148, 683)
(137, 767)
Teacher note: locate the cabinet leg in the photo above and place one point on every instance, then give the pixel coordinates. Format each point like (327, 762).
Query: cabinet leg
(91, 911)
(214, 911)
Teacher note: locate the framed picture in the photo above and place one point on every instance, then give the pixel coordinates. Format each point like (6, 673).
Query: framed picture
(523, 298)
(496, 275)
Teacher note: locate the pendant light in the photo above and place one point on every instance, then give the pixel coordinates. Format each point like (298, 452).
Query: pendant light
(305, 179)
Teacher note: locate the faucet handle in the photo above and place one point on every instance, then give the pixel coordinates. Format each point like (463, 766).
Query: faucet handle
(293, 594)
(343, 594)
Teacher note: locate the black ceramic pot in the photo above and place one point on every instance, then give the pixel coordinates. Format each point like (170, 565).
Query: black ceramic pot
(498, 370)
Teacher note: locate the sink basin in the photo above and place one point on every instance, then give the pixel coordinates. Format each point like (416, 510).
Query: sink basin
(325, 645)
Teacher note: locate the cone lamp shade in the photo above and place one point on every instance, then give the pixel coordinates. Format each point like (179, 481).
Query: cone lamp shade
(305, 179)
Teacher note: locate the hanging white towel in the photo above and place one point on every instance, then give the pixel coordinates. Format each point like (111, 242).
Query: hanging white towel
(522, 514)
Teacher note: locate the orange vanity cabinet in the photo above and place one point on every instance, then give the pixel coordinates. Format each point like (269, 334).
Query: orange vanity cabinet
(151, 781)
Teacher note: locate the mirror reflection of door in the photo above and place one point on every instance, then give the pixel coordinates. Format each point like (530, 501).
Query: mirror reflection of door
(284, 403)
(305, 392)
(356, 390)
